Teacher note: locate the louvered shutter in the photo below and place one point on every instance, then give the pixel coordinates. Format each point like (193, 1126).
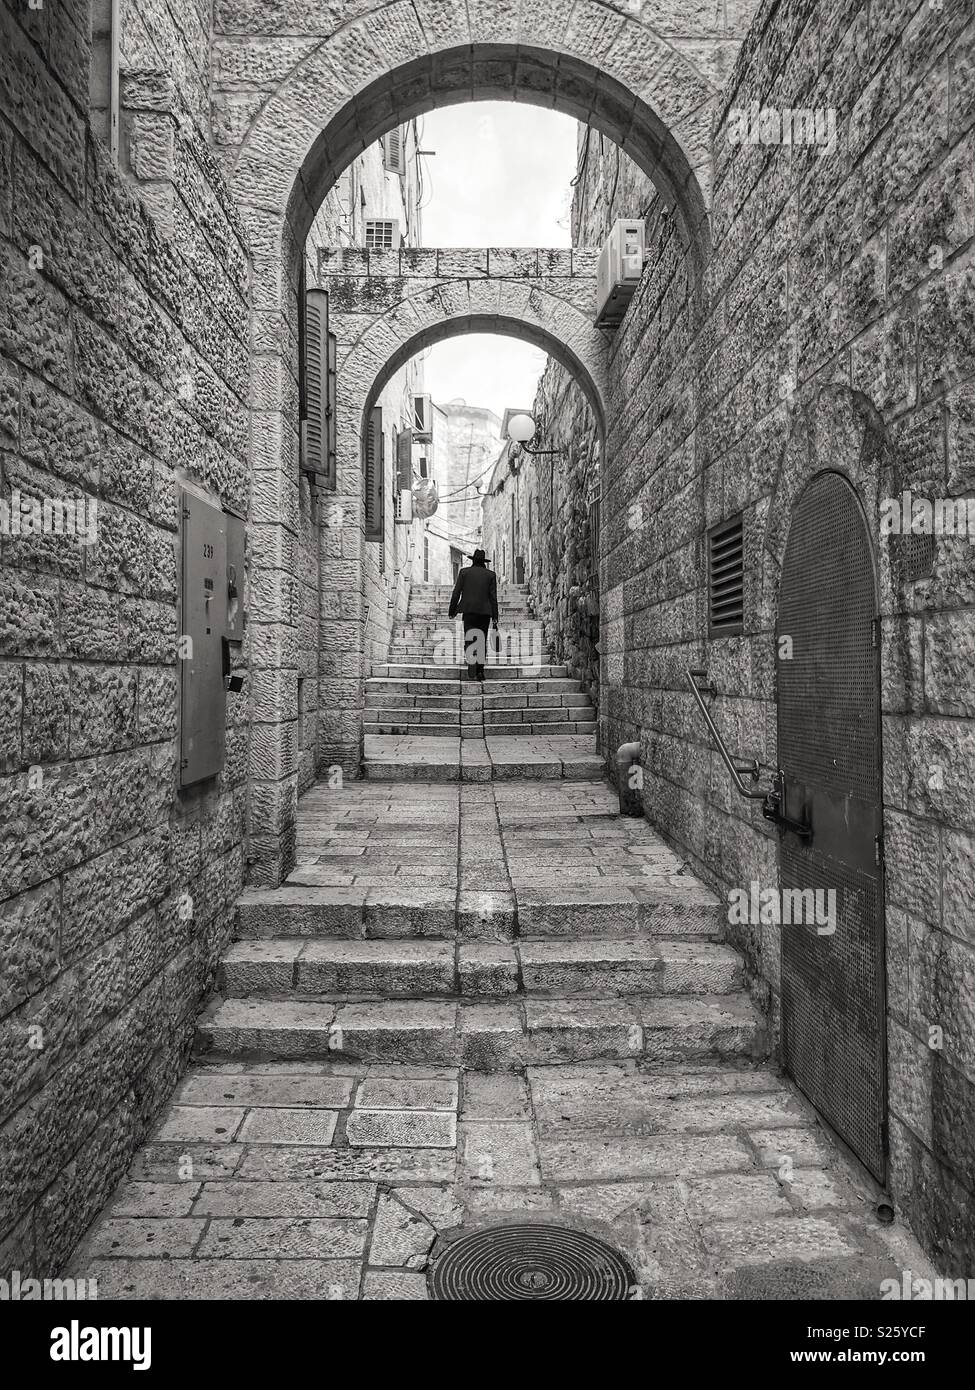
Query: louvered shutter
(315, 425)
(726, 578)
(394, 152)
(332, 409)
(375, 470)
(404, 460)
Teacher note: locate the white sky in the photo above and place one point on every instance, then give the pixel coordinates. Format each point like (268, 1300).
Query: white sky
(500, 177)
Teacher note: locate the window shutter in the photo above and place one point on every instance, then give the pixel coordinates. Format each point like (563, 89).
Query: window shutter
(404, 460)
(726, 578)
(375, 446)
(394, 152)
(316, 426)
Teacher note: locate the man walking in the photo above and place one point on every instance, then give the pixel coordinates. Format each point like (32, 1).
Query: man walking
(476, 596)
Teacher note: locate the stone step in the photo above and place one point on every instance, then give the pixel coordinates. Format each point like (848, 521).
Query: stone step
(520, 690)
(444, 724)
(484, 1036)
(417, 969)
(627, 909)
(421, 670)
(470, 763)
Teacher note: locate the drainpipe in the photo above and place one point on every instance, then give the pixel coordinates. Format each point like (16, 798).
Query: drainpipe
(631, 799)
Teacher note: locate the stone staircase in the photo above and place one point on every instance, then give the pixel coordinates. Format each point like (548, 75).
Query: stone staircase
(421, 691)
(488, 926)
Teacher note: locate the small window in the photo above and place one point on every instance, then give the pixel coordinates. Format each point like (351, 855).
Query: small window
(426, 559)
(382, 235)
(726, 578)
(424, 464)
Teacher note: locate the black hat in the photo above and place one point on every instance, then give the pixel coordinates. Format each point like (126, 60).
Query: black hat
(478, 558)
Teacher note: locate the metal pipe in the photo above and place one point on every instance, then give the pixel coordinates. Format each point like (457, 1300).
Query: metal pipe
(752, 794)
(631, 802)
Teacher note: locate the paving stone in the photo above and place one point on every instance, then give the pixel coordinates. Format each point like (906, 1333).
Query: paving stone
(490, 1199)
(262, 1279)
(387, 1284)
(793, 1148)
(499, 1153)
(210, 1123)
(293, 1238)
(392, 1093)
(280, 1126)
(658, 1155)
(300, 1164)
(495, 1096)
(183, 1163)
(439, 1205)
(608, 1201)
(399, 1237)
(154, 1199)
(266, 1090)
(256, 1198)
(403, 1128)
(789, 1239)
(741, 1195)
(814, 1189)
(130, 1238)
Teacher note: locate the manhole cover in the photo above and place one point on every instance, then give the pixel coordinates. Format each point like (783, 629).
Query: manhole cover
(530, 1261)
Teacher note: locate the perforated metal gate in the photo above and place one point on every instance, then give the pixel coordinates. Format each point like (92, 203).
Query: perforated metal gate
(833, 990)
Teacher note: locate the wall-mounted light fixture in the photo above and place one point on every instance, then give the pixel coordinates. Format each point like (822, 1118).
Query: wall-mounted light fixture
(521, 429)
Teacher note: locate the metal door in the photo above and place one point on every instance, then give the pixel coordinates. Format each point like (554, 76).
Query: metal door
(833, 985)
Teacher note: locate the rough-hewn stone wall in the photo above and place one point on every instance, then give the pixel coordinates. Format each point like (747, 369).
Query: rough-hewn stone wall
(836, 312)
(124, 368)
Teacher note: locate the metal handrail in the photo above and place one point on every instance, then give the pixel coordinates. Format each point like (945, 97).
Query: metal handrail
(735, 766)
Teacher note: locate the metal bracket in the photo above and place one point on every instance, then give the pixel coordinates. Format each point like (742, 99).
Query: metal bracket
(772, 810)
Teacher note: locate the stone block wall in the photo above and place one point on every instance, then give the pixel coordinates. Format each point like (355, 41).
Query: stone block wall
(833, 329)
(123, 370)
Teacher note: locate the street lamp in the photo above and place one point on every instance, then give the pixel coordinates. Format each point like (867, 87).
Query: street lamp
(521, 429)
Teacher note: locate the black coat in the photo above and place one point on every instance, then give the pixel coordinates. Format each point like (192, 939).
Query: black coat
(476, 591)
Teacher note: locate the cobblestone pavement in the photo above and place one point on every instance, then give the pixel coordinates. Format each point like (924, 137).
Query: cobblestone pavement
(306, 1180)
(343, 1176)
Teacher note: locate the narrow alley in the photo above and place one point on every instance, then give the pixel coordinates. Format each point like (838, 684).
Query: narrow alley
(533, 1012)
(487, 670)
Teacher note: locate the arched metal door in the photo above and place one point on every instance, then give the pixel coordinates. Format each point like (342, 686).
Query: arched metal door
(833, 983)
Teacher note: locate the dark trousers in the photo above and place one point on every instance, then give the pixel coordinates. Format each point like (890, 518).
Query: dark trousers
(476, 626)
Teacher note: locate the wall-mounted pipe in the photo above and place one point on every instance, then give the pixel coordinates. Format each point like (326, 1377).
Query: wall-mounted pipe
(631, 797)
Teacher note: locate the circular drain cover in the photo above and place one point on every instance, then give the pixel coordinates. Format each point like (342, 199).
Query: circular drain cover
(529, 1262)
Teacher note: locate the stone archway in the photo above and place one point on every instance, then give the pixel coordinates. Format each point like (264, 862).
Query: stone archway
(327, 91)
(373, 352)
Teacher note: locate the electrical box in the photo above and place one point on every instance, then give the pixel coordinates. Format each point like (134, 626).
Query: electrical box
(204, 635)
(619, 269)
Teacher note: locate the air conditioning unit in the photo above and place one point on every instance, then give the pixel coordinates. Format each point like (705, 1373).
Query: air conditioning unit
(619, 270)
(422, 418)
(404, 506)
